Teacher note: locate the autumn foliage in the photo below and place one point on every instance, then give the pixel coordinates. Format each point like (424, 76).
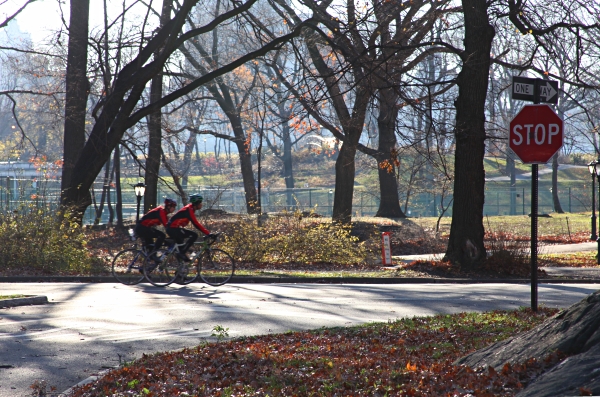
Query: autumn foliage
(409, 357)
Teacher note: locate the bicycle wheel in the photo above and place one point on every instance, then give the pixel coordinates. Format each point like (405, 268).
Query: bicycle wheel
(163, 273)
(188, 273)
(216, 267)
(127, 266)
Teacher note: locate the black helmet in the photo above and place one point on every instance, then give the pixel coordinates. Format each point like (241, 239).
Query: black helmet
(169, 202)
(195, 198)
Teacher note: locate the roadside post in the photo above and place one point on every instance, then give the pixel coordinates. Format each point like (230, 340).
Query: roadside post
(535, 135)
(386, 252)
(594, 168)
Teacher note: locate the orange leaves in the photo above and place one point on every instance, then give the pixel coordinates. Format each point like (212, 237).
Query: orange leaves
(403, 358)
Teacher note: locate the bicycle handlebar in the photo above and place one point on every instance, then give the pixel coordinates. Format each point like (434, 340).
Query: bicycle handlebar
(212, 238)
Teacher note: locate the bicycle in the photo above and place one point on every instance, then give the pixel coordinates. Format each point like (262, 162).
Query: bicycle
(127, 265)
(214, 266)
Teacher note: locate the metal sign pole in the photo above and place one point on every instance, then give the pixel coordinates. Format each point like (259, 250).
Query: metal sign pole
(534, 228)
(534, 217)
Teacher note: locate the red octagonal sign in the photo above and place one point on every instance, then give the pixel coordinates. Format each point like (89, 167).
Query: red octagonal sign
(536, 134)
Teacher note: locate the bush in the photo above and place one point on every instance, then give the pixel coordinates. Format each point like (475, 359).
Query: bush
(291, 237)
(507, 256)
(30, 238)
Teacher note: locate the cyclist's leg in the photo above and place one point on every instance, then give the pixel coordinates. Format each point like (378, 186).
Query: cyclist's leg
(191, 239)
(160, 238)
(147, 236)
(176, 234)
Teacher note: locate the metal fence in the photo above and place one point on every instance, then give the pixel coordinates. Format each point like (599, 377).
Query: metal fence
(17, 192)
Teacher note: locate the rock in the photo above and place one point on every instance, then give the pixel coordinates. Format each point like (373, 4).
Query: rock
(569, 378)
(574, 331)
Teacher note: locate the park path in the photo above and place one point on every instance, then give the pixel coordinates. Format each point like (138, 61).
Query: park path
(571, 272)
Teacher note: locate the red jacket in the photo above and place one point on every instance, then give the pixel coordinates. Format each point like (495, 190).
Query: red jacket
(155, 217)
(182, 217)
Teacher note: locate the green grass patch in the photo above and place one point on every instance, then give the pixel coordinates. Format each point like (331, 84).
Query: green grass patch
(577, 259)
(2, 297)
(556, 224)
(317, 274)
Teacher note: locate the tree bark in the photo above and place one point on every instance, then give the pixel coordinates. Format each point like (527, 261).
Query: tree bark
(155, 127)
(188, 150)
(119, 199)
(247, 173)
(389, 205)
(555, 201)
(288, 167)
(120, 110)
(77, 87)
(344, 184)
(465, 245)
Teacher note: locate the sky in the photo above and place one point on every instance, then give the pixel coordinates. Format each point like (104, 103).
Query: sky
(37, 19)
(43, 17)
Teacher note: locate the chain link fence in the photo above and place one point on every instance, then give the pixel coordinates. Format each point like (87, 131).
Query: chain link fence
(17, 192)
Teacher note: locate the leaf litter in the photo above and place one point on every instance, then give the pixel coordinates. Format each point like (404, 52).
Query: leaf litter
(406, 357)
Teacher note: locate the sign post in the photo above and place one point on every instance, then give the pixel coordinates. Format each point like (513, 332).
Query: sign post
(535, 135)
(386, 252)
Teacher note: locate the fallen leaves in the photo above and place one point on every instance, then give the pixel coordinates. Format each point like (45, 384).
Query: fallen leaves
(409, 357)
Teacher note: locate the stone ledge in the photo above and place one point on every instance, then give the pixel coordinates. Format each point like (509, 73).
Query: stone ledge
(30, 300)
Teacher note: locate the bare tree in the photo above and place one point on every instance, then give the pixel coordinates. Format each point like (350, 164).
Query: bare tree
(355, 56)
(465, 245)
(77, 88)
(120, 109)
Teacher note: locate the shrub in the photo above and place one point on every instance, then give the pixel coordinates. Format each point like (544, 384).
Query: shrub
(291, 237)
(507, 256)
(30, 238)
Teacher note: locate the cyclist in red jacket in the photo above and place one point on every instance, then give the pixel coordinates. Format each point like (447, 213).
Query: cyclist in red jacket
(176, 225)
(145, 229)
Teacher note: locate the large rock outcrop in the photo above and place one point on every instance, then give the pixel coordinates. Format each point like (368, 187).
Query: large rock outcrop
(574, 332)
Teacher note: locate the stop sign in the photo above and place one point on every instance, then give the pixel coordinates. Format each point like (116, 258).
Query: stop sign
(536, 134)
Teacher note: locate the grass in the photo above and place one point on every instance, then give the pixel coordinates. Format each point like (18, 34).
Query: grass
(316, 274)
(411, 356)
(12, 296)
(578, 259)
(556, 224)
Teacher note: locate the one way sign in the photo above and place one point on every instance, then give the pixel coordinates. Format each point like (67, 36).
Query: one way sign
(524, 88)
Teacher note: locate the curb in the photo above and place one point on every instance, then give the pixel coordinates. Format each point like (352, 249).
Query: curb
(87, 380)
(313, 280)
(30, 300)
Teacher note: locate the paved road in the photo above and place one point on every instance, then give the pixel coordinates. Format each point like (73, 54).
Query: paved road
(543, 249)
(89, 327)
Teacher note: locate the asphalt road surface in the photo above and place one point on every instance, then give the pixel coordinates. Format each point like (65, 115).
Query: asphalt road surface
(87, 328)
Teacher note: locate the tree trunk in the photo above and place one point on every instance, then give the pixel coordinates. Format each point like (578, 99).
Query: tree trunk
(248, 177)
(119, 199)
(389, 205)
(555, 201)
(465, 245)
(187, 158)
(288, 170)
(154, 147)
(510, 167)
(105, 182)
(155, 127)
(345, 168)
(77, 87)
